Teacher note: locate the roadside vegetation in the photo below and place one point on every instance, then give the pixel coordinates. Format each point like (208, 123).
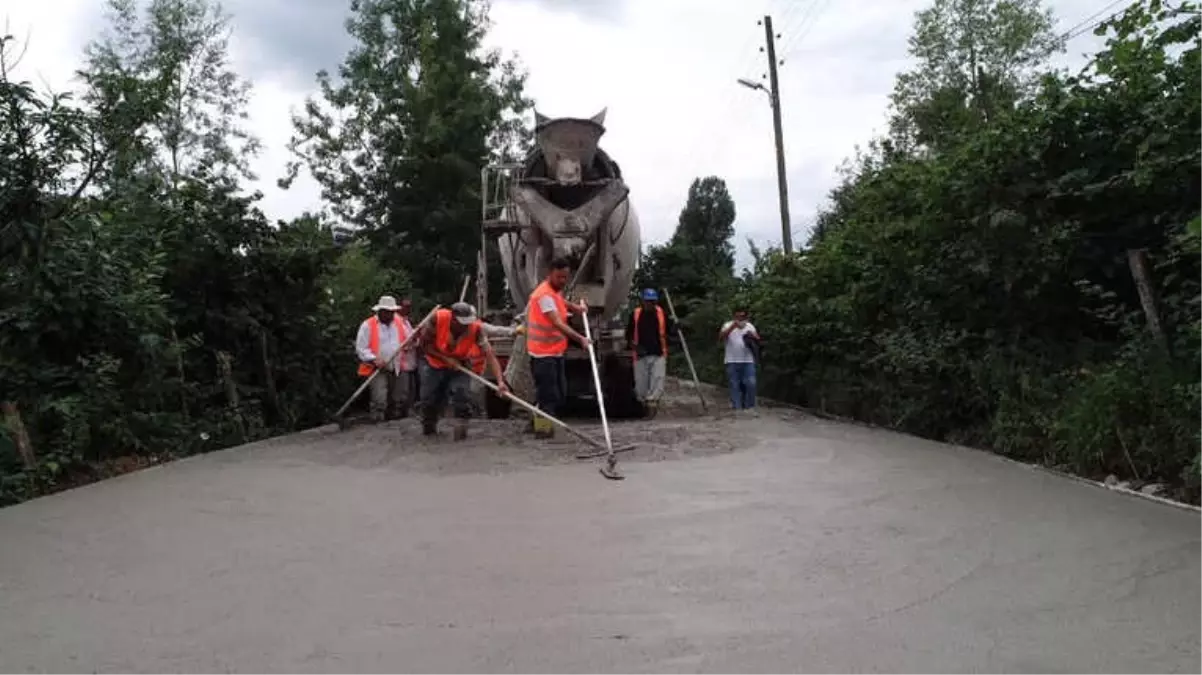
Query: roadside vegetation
(975, 277)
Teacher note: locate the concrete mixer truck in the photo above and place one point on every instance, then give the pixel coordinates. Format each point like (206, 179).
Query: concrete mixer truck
(567, 199)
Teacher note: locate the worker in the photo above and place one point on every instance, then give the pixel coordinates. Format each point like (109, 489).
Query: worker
(740, 337)
(379, 338)
(494, 331)
(458, 334)
(647, 333)
(407, 361)
(547, 333)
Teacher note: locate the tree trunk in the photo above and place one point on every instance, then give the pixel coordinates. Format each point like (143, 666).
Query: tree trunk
(1137, 259)
(12, 420)
(183, 383)
(274, 410)
(225, 367)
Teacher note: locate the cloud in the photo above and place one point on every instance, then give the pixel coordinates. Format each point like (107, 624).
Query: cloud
(290, 40)
(604, 10)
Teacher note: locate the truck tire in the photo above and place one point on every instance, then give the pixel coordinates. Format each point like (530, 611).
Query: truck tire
(618, 380)
(495, 407)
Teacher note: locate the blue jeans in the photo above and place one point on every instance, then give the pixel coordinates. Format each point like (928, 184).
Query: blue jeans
(742, 384)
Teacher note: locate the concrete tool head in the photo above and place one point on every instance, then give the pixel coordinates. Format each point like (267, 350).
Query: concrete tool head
(610, 470)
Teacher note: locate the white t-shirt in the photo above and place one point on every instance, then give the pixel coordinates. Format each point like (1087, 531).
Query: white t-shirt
(736, 350)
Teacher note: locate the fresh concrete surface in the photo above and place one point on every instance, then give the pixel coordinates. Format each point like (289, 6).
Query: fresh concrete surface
(805, 545)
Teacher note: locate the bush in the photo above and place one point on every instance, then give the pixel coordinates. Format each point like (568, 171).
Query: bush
(1136, 416)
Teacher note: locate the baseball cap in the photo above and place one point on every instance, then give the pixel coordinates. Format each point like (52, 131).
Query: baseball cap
(650, 294)
(463, 313)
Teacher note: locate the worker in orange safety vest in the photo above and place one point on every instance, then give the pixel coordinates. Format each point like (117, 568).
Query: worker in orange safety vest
(456, 333)
(377, 342)
(547, 334)
(647, 334)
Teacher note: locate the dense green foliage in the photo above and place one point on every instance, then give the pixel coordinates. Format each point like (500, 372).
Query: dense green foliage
(147, 307)
(969, 280)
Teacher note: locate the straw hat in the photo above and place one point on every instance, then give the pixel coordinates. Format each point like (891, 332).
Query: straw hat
(386, 302)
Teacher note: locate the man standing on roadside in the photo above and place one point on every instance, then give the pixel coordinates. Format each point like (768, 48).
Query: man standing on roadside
(647, 333)
(547, 334)
(379, 338)
(740, 337)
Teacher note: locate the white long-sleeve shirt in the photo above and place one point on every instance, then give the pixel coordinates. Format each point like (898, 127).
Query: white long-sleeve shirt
(390, 340)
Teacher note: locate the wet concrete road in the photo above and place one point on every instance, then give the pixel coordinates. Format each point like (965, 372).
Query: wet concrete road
(802, 545)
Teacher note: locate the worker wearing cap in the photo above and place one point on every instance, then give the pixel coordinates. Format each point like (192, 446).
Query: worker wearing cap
(458, 334)
(647, 333)
(547, 334)
(379, 338)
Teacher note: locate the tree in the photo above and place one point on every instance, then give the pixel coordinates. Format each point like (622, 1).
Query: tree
(699, 257)
(171, 102)
(707, 222)
(397, 143)
(975, 59)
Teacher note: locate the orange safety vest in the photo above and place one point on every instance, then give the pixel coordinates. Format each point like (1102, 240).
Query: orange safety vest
(476, 359)
(373, 342)
(463, 350)
(542, 337)
(663, 329)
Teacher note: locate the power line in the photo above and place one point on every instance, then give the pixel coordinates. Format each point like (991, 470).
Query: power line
(805, 15)
(714, 150)
(817, 8)
(794, 18)
(1085, 26)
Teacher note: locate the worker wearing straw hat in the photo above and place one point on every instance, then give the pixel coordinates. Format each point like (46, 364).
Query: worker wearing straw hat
(379, 338)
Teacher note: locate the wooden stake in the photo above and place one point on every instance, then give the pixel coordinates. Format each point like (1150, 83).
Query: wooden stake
(467, 280)
(685, 347)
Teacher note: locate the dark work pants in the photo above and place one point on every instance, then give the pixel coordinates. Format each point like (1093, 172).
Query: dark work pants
(550, 383)
(440, 384)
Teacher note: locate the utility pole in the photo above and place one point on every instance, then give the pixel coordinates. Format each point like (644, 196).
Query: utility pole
(781, 181)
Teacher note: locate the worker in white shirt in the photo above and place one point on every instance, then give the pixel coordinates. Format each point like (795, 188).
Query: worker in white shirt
(379, 338)
(741, 341)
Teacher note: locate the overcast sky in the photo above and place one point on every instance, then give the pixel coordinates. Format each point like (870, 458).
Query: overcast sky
(666, 70)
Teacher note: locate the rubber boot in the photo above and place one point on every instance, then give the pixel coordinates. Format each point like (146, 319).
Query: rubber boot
(543, 428)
